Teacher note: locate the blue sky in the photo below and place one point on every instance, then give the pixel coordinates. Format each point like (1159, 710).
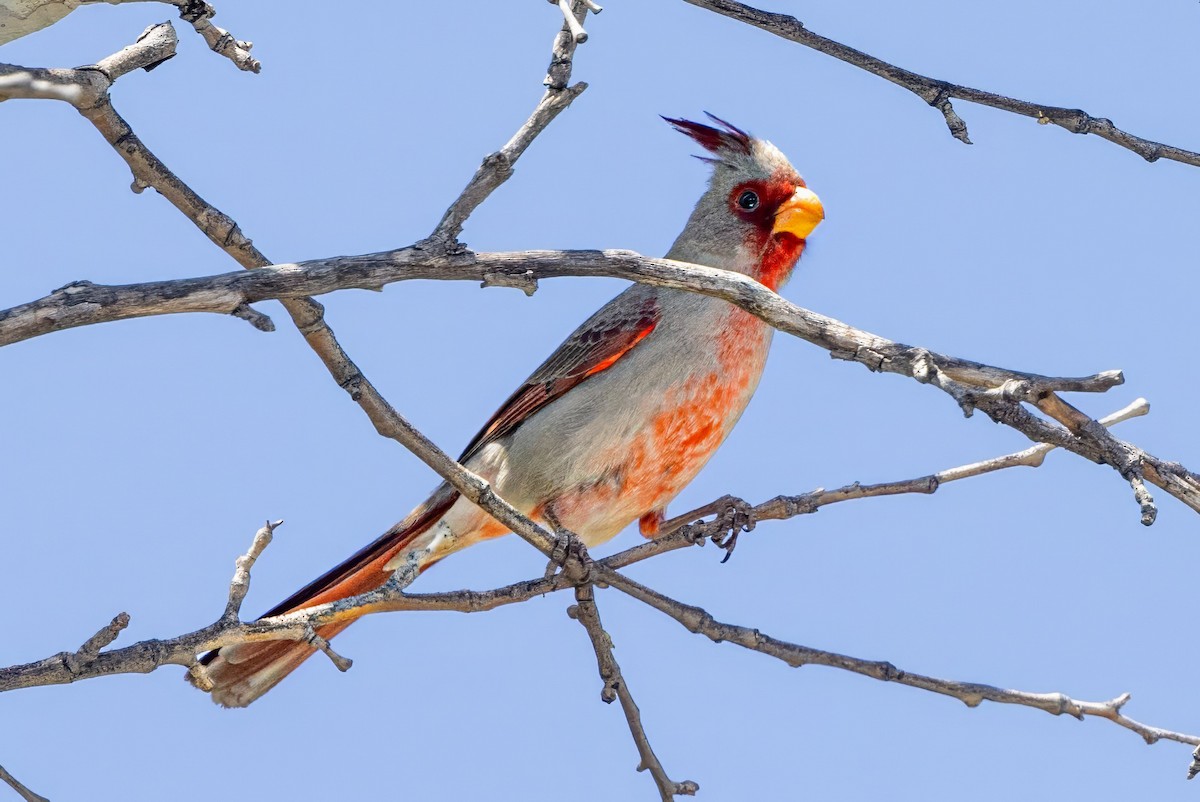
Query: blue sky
(142, 455)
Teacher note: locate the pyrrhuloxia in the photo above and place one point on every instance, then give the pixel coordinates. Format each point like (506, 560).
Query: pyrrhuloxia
(617, 421)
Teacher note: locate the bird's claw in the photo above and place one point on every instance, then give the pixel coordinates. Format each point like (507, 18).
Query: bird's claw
(735, 519)
(558, 555)
(570, 556)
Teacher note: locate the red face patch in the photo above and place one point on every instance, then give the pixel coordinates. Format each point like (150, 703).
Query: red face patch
(757, 202)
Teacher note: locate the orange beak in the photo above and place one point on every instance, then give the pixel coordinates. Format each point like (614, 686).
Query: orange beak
(799, 214)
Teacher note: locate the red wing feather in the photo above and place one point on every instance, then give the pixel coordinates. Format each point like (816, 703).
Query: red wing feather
(596, 346)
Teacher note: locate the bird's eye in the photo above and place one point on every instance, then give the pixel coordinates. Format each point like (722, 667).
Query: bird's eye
(748, 200)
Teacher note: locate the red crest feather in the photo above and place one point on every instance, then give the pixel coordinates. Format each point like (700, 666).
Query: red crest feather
(726, 138)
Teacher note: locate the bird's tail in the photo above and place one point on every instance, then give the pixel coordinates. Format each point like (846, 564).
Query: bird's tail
(245, 671)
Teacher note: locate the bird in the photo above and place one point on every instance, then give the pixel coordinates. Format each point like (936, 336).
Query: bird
(616, 422)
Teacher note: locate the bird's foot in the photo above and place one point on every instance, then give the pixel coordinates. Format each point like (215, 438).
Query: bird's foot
(734, 516)
(570, 556)
(731, 522)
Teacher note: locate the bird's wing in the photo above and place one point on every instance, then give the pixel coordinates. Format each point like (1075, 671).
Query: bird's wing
(594, 347)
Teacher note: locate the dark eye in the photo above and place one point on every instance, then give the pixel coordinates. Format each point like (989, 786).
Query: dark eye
(748, 200)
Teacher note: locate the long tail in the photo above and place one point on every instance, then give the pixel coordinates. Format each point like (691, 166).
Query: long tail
(246, 671)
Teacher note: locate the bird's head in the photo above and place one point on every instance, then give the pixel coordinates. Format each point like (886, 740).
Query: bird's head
(757, 214)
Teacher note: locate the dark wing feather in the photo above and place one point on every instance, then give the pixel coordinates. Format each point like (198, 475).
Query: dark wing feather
(594, 347)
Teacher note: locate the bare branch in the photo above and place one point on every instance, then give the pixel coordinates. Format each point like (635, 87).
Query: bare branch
(104, 637)
(312, 638)
(1033, 456)
(25, 793)
(197, 13)
(73, 662)
(938, 93)
(1116, 453)
(697, 620)
(155, 45)
(148, 655)
(88, 86)
(615, 687)
(239, 586)
(225, 292)
(562, 51)
(16, 82)
(498, 167)
(220, 41)
(999, 392)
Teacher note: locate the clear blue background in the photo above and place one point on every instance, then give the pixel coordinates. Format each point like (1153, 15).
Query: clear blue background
(139, 457)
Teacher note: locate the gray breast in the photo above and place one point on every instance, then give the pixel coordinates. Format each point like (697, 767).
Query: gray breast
(557, 448)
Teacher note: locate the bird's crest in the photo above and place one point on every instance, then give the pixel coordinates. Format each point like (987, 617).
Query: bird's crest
(728, 138)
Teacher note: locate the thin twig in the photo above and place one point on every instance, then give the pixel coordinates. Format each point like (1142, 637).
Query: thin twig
(314, 639)
(75, 661)
(615, 687)
(219, 40)
(104, 637)
(239, 586)
(498, 167)
(938, 93)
